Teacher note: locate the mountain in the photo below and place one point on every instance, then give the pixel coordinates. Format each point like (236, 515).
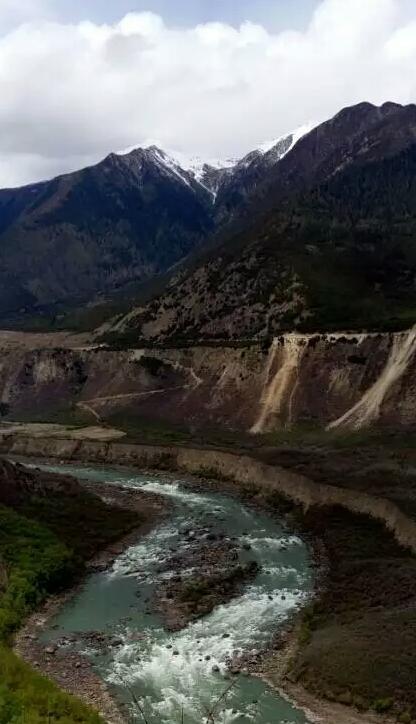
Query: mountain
(128, 218)
(83, 235)
(328, 241)
(312, 229)
(236, 188)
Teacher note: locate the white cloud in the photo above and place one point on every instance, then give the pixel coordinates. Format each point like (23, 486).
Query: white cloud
(70, 93)
(15, 11)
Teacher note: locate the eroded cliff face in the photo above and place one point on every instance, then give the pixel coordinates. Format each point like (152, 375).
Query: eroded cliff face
(336, 381)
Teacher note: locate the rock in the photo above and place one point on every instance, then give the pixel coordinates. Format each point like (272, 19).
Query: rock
(50, 650)
(226, 635)
(117, 641)
(175, 653)
(208, 658)
(215, 669)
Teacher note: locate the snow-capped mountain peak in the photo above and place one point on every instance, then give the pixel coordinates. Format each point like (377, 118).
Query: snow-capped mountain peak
(207, 172)
(211, 174)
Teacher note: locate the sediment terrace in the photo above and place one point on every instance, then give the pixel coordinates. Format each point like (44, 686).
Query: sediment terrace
(240, 468)
(331, 380)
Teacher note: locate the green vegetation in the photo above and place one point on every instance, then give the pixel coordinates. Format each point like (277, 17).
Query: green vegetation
(27, 697)
(69, 415)
(36, 564)
(84, 523)
(43, 545)
(140, 429)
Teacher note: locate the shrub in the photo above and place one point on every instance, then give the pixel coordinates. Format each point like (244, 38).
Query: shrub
(383, 705)
(36, 563)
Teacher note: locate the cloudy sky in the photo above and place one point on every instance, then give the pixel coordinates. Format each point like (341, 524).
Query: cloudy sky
(207, 77)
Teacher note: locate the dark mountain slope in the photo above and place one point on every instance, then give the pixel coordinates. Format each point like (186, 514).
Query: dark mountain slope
(355, 135)
(91, 234)
(104, 232)
(340, 251)
(237, 186)
(127, 218)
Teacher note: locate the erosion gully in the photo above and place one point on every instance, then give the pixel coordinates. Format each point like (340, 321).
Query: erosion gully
(181, 676)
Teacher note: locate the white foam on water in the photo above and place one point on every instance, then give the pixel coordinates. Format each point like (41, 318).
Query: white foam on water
(181, 677)
(173, 490)
(260, 544)
(140, 558)
(182, 672)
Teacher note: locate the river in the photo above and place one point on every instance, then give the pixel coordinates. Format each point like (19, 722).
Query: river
(178, 677)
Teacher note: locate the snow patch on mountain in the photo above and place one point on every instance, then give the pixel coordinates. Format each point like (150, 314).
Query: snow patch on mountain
(168, 163)
(198, 165)
(295, 136)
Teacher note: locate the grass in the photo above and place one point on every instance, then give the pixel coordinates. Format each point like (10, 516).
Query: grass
(310, 435)
(37, 563)
(85, 524)
(29, 698)
(139, 429)
(69, 416)
(43, 545)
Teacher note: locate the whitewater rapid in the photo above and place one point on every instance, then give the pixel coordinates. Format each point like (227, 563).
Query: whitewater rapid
(182, 676)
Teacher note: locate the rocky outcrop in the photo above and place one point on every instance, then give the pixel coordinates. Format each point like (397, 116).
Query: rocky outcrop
(335, 380)
(18, 484)
(242, 469)
(207, 573)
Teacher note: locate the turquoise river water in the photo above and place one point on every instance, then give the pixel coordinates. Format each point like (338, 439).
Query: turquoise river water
(178, 677)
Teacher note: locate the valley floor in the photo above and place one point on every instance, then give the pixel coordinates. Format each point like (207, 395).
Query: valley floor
(370, 587)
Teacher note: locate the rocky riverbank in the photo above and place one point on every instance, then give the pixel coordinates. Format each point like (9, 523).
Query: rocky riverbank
(64, 663)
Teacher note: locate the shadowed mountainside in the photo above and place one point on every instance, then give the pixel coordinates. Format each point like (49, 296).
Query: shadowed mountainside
(333, 249)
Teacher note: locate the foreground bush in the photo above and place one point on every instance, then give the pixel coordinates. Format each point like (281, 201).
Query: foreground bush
(28, 697)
